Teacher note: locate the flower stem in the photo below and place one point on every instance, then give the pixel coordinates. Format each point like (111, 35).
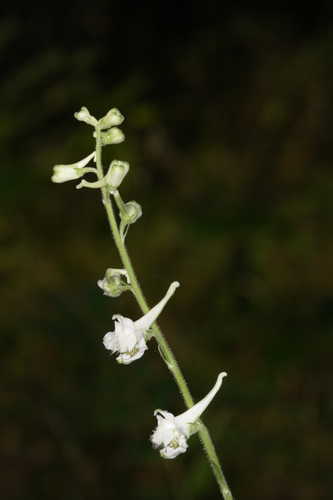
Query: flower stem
(163, 345)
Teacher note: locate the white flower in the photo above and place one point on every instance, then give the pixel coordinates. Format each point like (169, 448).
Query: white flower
(172, 432)
(128, 337)
(63, 173)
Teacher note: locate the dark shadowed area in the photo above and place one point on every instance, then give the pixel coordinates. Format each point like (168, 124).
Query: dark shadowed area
(229, 136)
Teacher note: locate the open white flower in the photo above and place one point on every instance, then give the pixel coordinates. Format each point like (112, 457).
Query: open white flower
(172, 432)
(64, 173)
(128, 337)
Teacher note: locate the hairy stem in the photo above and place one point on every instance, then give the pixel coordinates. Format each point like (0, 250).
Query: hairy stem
(163, 345)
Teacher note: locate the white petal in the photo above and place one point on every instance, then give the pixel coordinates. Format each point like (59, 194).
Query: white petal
(165, 430)
(110, 342)
(167, 436)
(140, 348)
(125, 332)
(148, 319)
(184, 420)
(170, 452)
(126, 358)
(164, 415)
(102, 284)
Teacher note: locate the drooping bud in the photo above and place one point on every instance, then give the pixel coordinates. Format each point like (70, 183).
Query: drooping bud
(111, 119)
(113, 136)
(84, 116)
(131, 213)
(114, 282)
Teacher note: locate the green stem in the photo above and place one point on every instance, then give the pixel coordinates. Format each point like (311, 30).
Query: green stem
(163, 345)
(119, 201)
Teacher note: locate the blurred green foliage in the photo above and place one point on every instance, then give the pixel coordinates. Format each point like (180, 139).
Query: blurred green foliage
(229, 136)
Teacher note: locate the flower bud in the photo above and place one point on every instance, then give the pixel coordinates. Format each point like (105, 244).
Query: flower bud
(111, 119)
(84, 116)
(114, 282)
(64, 173)
(131, 213)
(116, 173)
(113, 136)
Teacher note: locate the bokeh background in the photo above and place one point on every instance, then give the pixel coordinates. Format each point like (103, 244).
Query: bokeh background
(229, 136)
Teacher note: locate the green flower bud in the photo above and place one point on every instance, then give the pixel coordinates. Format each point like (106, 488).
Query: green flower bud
(116, 173)
(132, 211)
(113, 136)
(84, 116)
(64, 173)
(115, 282)
(111, 119)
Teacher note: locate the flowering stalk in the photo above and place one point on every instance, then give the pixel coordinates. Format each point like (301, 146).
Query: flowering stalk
(129, 338)
(163, 345)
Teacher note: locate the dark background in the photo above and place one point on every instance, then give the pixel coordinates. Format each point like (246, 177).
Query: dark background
(229, 135)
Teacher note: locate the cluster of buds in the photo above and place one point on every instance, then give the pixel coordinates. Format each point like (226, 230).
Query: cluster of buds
(109, 133)
(129, 338)
(111, 119)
